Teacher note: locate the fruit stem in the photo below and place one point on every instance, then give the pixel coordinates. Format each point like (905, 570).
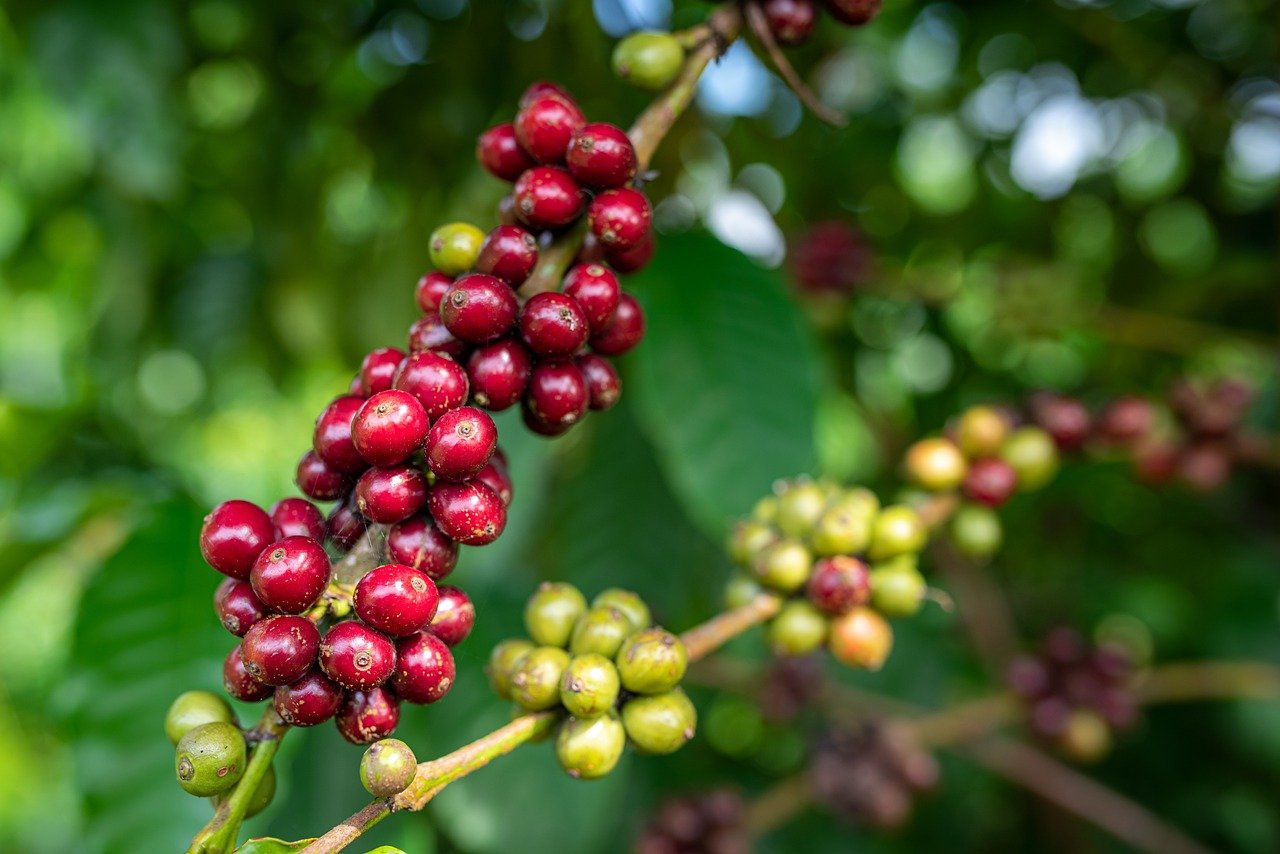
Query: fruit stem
(760, 26)
(705, 638)
(364, 556)
(778, 805)
(554, 261)
(219, 835)
(1209, 680)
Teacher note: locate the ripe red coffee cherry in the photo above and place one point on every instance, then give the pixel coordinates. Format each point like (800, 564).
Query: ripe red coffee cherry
(1205, 466)
(596, 290)
(454, 616)
(632, 259)
(290, 574)
(479, 308)
(345, 525)
(389, 427)
(390, 495)
(297, 517)
(419, 543)
(357, 657)
(461, 443)
(470, 512)
(548, 198)
(623, 332)
(317, 480)
(396, 599)
(620, 218)
(424, 668)
(233, 534)
(509, 253)
(495, 476)
(499, 373)
(604, 387)
(332, 436)
(839, 583)
(499, 152)
(557, 397)
(237, 606)
(1064, 418)
(853, 13)
(1126, 419)
(311, 700)
(378, 368)
(546, 124)
(238, 683)
(429, 333)
(544, 88)
(438, 382)
(430, 290)
(601, 155)
(366, 716)
(553, 325)
(791, 21)
(990, 481)
(280, 649)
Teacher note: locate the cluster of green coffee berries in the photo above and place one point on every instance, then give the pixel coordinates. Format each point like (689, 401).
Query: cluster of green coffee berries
(613, 672)
(211, 750)
(841, 561)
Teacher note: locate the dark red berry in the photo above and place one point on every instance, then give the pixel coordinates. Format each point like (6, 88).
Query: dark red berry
(853, 13)
(479, 308)
(499, 373)
(495, 476)
(601, 155)
(470, 513)
(838, 584)
(545, 125)
(1126, 419)
(506, 210)
(461, 443)
(316, 479)
(553, 325)
(429, 333)
(237, 606)
(557, 397)
(332, 436)
(378, 368)
(357, 657)
(290, 574)
(396, 599)
(389, 495)
(990, 481)
(591, 251)
(438, 382)
(623, 332)
(454, 617)
(632, 259)
(596, 290)
(544, 88)
(419, 543)
(430, 290)
(424, 668)
(311, 700)
(832, 257)
(389, 427)
(1065, 419)
(354, 388)
(280, 649)
(345, 525)
(499, 152)
(1205, 466)
(548, 198)
(233, 534)
(604, 387)
(297, 517)
(620, 218)
(510, 253)
(790, 21)
(366, 716)
(238, 683)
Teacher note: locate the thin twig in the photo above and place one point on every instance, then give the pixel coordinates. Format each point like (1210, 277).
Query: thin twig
(760, 26)
(1209, 680)
(707, 637)
(779, 804)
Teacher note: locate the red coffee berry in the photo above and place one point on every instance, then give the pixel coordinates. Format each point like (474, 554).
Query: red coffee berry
(454, 617)
(1205, 466)
(332, 436)
(1065, 419)
(430, 290)
(238, 683)
(632, 259)
(557, 397)
(623, 332)
(548, 198)
(1126, 419)
(510, 253)
(591, 251)
(479, 308)
(357, 657)
(601, 155)
(596, 290)
(280, 649)
(832, 257)
(546, 124)
(429, 333)
(461, 443)
(237, 606)
(499, 373)
(311, 700)
(791, 21)
(553, 325)
(494, 475)
(424, 668)
(290, 574)
(604, 386)
(853, 13)
(499, 152)
(838, 584)
(345, 525)
(396, 599)
(297, 517)
(544, 88)
(389, 495)
(620, 218)
(354, 388)
(233, 534)
(438, 382)
(989, 481)
(378, 368)
(506, 210)
(1155, 461)
(470, 513)
(366, 716)
(419, 543)
(389, 427)
(317, 480)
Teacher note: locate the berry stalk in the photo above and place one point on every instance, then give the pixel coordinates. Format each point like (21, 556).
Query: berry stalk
(219, 835)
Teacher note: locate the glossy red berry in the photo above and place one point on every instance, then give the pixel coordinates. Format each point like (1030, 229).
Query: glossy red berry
(318, 480)
(311, 700)
(632, 259)
(357, 657)
(553, 325)
(429, 333)
(454, 616)
(237, 606)
(297, 517)
(378, 368)
(479, 308)
(1126, 419)
(604, 387)
(791, 21)
(495, 476)
(280, 649)
(332, 436)
(545, 125)
(389, 495)
(345, 525)
(470, 513)
(419, 543)
(233, 534)
(290, 574)
(623, 332)
(990, 481)
(838, 584)
(238, 683)
(438, 382)
(548, 198)
(1065, 419)
(499, 152)
(601, 155)
(596, 290)
(430, 290)
(557, 397)
(461, 443)
(510, 253)
(396, 599)
(620, 218)
(853, 13)
(544, 88)
(499, 373)
(389, 427)
(366, 716)
(424, 668)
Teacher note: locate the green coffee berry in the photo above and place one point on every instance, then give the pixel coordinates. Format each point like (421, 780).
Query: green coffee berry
(454, 247)
(387, 767)
(748, 539)
(976, 530)
(535, 683)
(800, 507)
(798, 629)
(935, 464)
(897, 530)
(1032, 455)
(386, 849)
(588, 748)
(502, 663)
(661, 723)
(784, 566)
(589, 686)
(552, 611)
(261, 797)
(601, 630)
(193, 708)
(765, 510)
(741, 590)
(629, 603)
(842, 530)
(210, 758)
(897, 587)
(651, 661)
(980, 431)
(649, 60)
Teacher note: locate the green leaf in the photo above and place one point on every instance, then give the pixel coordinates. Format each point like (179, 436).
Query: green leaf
(271, 845)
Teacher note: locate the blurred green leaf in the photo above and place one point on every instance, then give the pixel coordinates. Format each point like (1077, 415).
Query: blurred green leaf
(271, 845)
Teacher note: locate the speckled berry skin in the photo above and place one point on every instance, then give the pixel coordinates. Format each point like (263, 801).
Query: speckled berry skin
(430, 290)
(633, 259)
(290, 574)
(237, 681)
(460, 444)
(454, 617)
(509, 253)
(389, 427)
(356, 656)
(232, 536)
(544, 88)
(429, 334)
(839, 583)
(495, 476)
(601, 156)
(311, 700)
(556, 399)
(620, 218)
(390, 495)
(553, 325)
(545, 125)
(396, 599)
(437, 381)
(366, 716)
(297, 517)
(418, 542)
(499, 152)
(424, 668)
(624, 330)
(479, 308)
(332, 436)
(596, 290)
(378, 368)
(470, 512)
(548, 198)
(237, 606)
(280, 649)
(499, 373)
(604, 386)
(318, 480)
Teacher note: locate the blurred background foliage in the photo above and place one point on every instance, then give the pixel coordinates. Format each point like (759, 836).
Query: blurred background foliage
(210, 210)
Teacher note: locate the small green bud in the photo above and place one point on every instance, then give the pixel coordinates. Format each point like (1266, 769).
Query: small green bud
(784, 566)
(552, 611)
(601, 630)
(798, 629)
(649, 60)
(210, 758)
(502, 663)
(652, 661)
(898, 530)
(535, 684)
(589, 748)
(193, 708)
(661, 723)
(589, 686)
(628, 603)
(454, 247)
(387, 767)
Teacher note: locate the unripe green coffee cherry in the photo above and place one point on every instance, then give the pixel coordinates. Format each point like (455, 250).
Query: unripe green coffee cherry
(454, 247)
(388, 767)
(193, 708)
(589, 686)
(588, 748)
(741, 590)
(765, 510)
(897, 530)
(652, 661)
(980, 431)
(552, 612)
(976, 530)
(261, 797)
(649, 60)
(800, 507)
(935, 464)
(1086, 738)
(662, 723)
(860, 638)
(897, 587)
(842, 530)
(1033, 456)
(502, 664)
(210, 758)
(386, 849)
(748, 539)
(535, 683)
(629, 603)
(601, 630)
(784, 566)
(798, 629)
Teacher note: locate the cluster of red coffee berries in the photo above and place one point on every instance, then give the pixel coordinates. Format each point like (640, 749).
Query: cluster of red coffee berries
(872, 775)
(614, 673)
(792, 21)
(1076, 694)
(832, 258)
(712, 822)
